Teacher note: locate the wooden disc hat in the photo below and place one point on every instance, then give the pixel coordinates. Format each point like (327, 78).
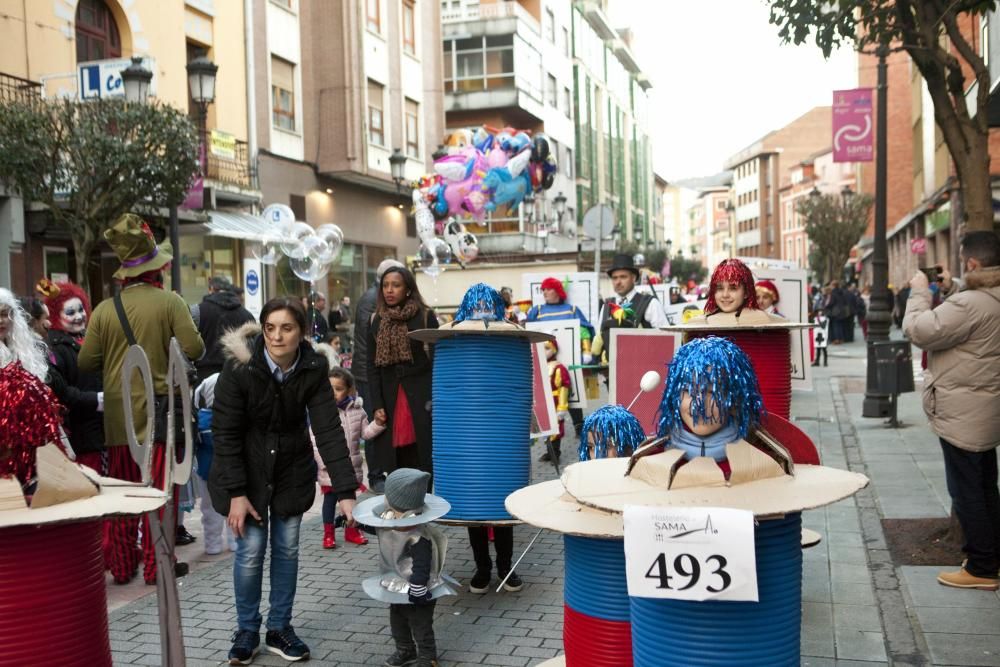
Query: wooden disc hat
(481, 312)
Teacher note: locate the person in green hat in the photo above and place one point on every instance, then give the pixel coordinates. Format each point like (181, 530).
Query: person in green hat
(154, 316)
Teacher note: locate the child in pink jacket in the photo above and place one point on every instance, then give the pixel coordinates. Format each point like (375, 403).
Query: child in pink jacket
(356, 426)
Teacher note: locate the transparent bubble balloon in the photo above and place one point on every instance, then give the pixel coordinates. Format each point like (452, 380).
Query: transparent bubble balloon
(315, 248)
(333, 236)
(308, 268)
(267, 252)
(435, 251)
(433, 269)
(291, 242)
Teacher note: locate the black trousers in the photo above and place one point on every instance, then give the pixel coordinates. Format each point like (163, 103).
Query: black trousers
(972, 485)
(503, 541)
(412, 628)
(820, 351)
(576, 415)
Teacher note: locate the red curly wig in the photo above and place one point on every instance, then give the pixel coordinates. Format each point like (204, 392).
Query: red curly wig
(732, 271)
(555, 284)
(66, 292)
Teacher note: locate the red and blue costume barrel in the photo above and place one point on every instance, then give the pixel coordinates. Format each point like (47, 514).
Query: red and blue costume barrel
(596, 623)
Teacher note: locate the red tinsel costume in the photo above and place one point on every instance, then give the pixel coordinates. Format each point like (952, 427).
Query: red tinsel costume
(29, 418)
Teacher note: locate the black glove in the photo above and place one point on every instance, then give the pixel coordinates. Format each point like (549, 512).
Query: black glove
(419, 595)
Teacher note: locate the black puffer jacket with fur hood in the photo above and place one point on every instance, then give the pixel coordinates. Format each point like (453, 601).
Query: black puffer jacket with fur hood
(262, 445)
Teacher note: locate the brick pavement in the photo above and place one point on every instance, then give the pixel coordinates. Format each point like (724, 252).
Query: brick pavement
(858, 609)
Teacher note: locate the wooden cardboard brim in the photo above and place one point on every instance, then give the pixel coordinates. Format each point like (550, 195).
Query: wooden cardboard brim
(479, 328)
(753, 320)
(810, 538)
(602, 484)
(547, 505)
(112, 501)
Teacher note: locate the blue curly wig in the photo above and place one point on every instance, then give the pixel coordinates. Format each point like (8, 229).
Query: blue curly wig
(612, 426)
(713, 365)
(481, 302)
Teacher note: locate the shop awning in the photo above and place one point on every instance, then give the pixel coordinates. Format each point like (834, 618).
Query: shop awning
(235, 225)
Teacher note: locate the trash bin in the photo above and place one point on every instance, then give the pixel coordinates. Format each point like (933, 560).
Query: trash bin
(893, 366)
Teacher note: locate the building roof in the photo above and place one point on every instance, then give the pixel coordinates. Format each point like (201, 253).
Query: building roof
(723, 178)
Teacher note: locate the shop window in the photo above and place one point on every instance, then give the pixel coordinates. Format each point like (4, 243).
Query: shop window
(376, 129)
(97, 36)
(56, 266)
(282, 94)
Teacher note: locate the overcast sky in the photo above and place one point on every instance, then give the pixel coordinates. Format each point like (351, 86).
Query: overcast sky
(721, 78)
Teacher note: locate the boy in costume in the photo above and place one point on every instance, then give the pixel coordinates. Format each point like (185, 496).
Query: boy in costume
(610, 432)
(559, 384)
(768, 297)
(412, 554)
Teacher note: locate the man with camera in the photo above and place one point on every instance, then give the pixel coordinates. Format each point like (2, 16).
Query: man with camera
(961, 385)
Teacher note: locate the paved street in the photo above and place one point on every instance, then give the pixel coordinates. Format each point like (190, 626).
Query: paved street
(858, 609)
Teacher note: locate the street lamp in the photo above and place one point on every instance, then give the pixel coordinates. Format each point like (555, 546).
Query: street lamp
(814, 193)
(201, 83)
(846, 193)
(397, 165)
(560, 204)
(136, 79)
(201, 80)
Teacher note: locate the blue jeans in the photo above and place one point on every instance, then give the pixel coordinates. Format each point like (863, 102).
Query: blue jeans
(248, 571)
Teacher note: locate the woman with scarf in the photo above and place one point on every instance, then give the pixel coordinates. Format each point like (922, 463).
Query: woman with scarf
(399, 370)
(69, 311)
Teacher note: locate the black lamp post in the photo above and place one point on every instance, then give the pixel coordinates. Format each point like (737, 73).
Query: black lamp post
(560, 206)
(201, 83)
(397, 165)
(877, 403)
(136, 80)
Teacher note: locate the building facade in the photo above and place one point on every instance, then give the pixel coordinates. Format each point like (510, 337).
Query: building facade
(508, 64)
(53, 47)
(757, 176)
(614, 154)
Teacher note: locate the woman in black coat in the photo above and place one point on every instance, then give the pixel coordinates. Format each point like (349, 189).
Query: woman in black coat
(399, 373)
(272, 390)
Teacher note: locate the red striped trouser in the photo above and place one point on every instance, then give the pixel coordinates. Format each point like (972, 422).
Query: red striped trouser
(123, 554)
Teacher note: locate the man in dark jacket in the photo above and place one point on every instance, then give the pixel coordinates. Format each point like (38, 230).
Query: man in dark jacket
(219, 311)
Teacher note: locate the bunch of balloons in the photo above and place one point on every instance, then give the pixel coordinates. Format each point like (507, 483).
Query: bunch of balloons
(310, 251)
(483, 170)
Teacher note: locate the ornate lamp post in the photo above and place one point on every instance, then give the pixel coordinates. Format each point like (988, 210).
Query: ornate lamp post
(397, 164)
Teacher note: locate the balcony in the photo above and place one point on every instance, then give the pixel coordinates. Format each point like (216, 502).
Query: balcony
(230, 169)
(474, 11)
(16, 89)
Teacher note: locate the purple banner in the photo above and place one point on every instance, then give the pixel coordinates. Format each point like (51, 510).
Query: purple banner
(195, 199)
(853, 125)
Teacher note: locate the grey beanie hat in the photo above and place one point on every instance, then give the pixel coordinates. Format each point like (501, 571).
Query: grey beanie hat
(385, 265)
(405, 489)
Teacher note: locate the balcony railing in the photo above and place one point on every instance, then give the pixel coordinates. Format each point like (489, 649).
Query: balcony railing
(232, 171)
(473, 11)
(16, 89)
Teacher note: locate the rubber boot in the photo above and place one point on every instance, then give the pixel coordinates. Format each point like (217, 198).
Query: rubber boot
(354, 536)
(329, 536)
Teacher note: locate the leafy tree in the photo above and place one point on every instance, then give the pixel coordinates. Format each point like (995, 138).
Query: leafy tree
(90, 162)
(834, 224)
(931, 32)
(687, 268)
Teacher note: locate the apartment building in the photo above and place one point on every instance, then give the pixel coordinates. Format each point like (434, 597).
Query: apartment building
(614, 155)
(757, 178)
(77, 50)
(509, 64)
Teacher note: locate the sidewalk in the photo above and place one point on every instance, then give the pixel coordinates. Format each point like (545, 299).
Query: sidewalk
(858, 608)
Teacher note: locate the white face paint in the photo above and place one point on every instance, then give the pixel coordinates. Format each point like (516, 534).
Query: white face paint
(72, 317)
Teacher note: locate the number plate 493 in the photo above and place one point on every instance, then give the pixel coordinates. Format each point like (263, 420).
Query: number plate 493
(691, 553)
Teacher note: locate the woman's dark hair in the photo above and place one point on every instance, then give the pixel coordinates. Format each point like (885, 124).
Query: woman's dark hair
(35, 308)
(408, 281)
(344, 375)
(288, 303)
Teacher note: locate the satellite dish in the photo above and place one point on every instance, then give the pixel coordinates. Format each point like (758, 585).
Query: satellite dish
(598, 221)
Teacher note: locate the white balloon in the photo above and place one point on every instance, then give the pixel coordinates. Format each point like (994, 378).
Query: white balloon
(334, 238)
(434, 252)
(425, 221)
(267, 252)
(308, 268)
(468, 247)
(650, 381)
(278, 214)
(291, 242)
(433, 270)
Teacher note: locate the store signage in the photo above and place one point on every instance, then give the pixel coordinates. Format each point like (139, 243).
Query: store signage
(222, 144)
(853, 128)
(99, 79)
(690, 553)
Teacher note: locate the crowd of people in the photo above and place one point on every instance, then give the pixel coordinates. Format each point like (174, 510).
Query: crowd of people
(278, 412)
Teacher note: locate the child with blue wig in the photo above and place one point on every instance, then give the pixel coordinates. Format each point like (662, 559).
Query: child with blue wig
(711, 404)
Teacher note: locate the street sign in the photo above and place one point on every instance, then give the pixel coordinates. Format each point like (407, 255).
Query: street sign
(598, 221)
(918, 246)
(100, 79)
